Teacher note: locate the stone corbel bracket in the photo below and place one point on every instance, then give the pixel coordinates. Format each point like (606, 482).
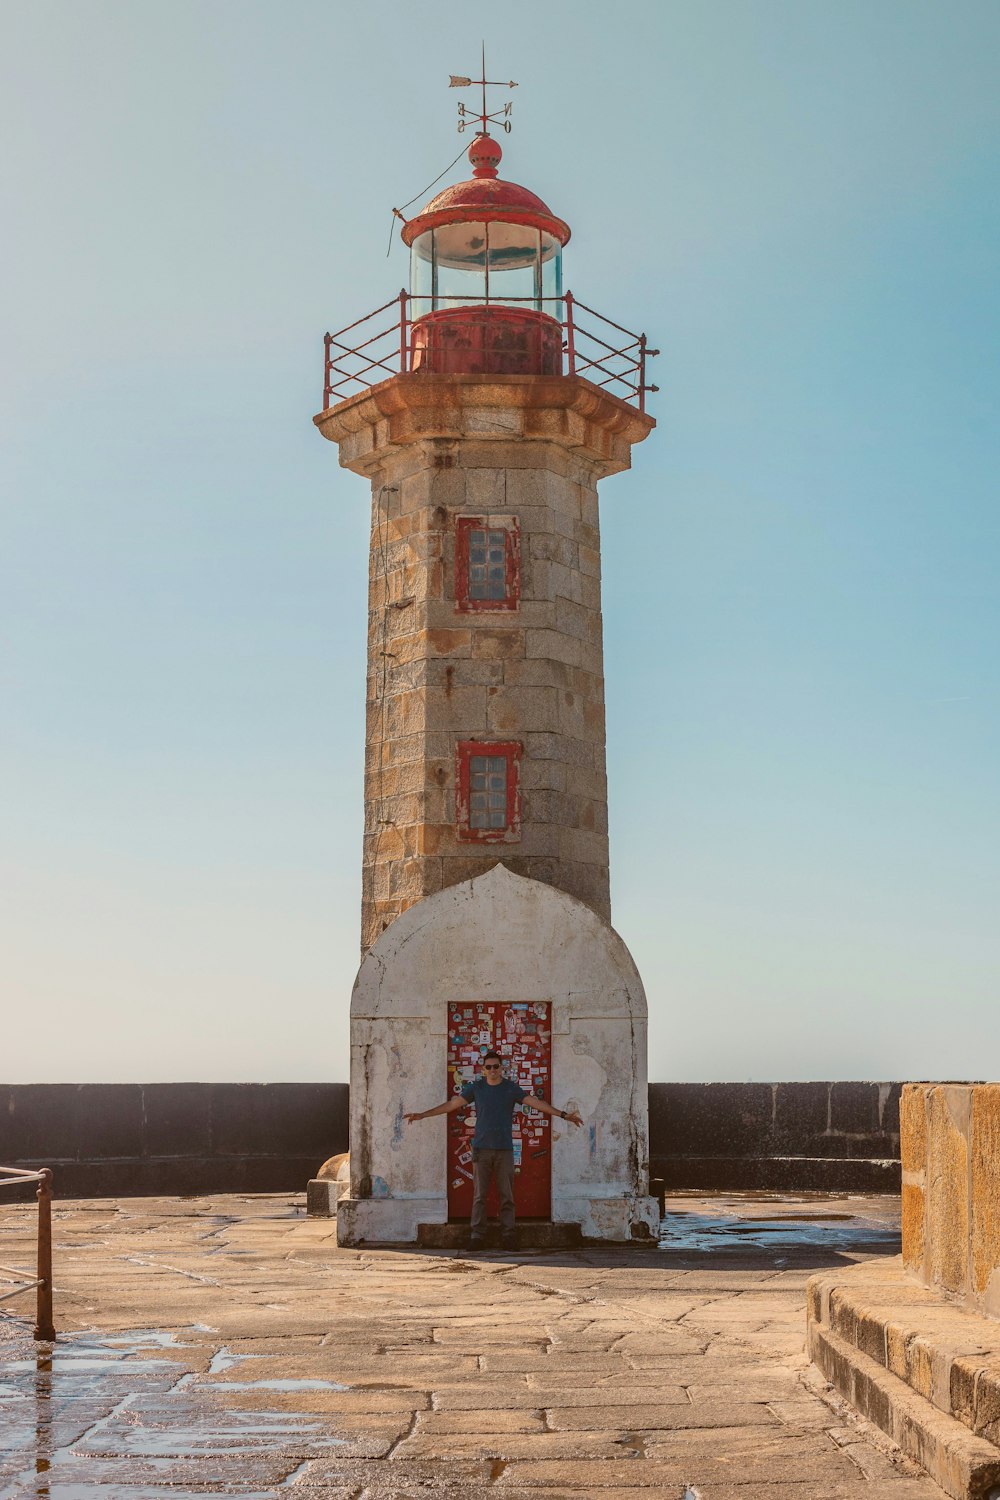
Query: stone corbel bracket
(565, 410)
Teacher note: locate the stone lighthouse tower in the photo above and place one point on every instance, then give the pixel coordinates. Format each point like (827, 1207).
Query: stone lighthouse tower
(484, 417)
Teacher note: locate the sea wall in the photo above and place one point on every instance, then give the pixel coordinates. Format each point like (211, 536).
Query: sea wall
(125, 1140)
(830, 1137)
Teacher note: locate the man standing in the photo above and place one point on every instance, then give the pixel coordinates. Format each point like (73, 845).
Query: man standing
(495, 1098)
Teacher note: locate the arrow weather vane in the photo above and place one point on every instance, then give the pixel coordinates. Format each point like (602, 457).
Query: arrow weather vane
(499, 116)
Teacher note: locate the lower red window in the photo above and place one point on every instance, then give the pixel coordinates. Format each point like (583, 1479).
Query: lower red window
(488, 800)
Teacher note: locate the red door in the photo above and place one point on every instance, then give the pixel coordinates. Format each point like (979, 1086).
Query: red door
(520, 1031)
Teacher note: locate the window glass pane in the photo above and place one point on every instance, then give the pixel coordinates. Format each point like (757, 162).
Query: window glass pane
(488, 550)
(487, 791)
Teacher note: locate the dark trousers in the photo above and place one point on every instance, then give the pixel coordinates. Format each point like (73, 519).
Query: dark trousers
(498, 1165)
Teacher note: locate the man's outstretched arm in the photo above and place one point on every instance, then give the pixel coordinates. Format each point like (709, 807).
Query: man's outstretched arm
(547, 1109)
(448, 1108)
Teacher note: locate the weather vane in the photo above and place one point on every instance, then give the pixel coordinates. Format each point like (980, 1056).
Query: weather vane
(466, 117)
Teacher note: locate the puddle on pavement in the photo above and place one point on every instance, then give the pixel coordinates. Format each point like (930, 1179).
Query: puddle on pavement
(281, 1385)
(142, 1338)
(225, 1359)
(792, 1231)
(60, 1489)
(107, 1396)
(634, 1444)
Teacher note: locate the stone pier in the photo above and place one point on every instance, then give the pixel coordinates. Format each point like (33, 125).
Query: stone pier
(915, 1343)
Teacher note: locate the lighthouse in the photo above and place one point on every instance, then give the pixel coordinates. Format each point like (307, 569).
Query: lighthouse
(484, 405)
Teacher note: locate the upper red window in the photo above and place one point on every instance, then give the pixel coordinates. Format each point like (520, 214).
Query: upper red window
(487, 562)
(488, 800)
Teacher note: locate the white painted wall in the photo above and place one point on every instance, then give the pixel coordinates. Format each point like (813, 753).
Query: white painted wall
(498, 937)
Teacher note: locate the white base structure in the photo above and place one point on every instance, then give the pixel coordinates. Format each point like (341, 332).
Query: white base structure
(499, 937)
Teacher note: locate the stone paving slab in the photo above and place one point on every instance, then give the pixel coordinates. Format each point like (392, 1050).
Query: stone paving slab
(227, 1346)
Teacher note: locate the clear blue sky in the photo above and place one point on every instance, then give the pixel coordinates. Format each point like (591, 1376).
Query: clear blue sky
(799, 202)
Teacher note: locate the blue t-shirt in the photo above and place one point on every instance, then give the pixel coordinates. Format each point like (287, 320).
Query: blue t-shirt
(494, 1112)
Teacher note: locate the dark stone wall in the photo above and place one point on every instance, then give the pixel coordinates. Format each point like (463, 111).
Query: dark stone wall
(127, 1139)
(124, 1140)
(785, 1136)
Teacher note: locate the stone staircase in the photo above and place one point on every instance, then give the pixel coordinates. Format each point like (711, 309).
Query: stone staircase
(924, 1369)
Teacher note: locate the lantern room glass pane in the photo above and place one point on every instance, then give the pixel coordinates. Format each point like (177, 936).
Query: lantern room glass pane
(514, 256)
(551, 274)
(422, 273)
(463, 264)
(459, 259)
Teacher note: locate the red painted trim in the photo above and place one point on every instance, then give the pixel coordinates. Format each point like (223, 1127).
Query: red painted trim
(474, 213)
(511, 528)
(511, 750)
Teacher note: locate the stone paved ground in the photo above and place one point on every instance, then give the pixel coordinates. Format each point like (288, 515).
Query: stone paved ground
(225, 1345)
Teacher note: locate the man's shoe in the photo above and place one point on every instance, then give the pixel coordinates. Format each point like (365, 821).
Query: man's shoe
(508, 1240)
(477, 1241)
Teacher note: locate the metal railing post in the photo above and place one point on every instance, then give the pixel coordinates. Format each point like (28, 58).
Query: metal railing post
(570, 337)
(44, 1329)
(614, 359)
(402, 331)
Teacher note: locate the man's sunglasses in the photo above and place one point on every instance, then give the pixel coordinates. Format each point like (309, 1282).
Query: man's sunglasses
(492, 1067)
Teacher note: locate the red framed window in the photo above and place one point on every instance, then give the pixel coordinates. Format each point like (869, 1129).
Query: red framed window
(488, 800)
(487, 562)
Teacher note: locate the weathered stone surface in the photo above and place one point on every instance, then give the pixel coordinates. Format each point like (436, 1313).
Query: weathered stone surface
(345, 1399)
(854, 1108)
(913, 1210)
(947, 1187)
(985, 1196)
(951, 1189)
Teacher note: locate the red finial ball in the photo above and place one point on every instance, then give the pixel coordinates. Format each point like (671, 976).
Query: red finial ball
(484, 154)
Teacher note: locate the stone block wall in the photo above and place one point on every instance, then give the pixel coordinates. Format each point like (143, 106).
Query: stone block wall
(437, 676)
(950, 1146)
(523, 454)
(127, 1139)
(784, 1136)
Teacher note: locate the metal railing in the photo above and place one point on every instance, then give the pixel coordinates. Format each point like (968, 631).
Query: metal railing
(41, 1282)
(607, 354)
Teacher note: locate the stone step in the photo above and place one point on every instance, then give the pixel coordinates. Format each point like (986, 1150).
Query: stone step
(924, 1370)
(532, 1234)
(966, 1467)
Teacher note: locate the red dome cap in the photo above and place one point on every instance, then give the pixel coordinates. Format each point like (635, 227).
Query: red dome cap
(484, 199)
(484, 154)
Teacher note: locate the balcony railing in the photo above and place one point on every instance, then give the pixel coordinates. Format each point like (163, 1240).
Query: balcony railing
(393, 340)
(41, 1282)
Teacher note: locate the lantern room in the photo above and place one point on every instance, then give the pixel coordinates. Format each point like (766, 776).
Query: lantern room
(486, 277)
